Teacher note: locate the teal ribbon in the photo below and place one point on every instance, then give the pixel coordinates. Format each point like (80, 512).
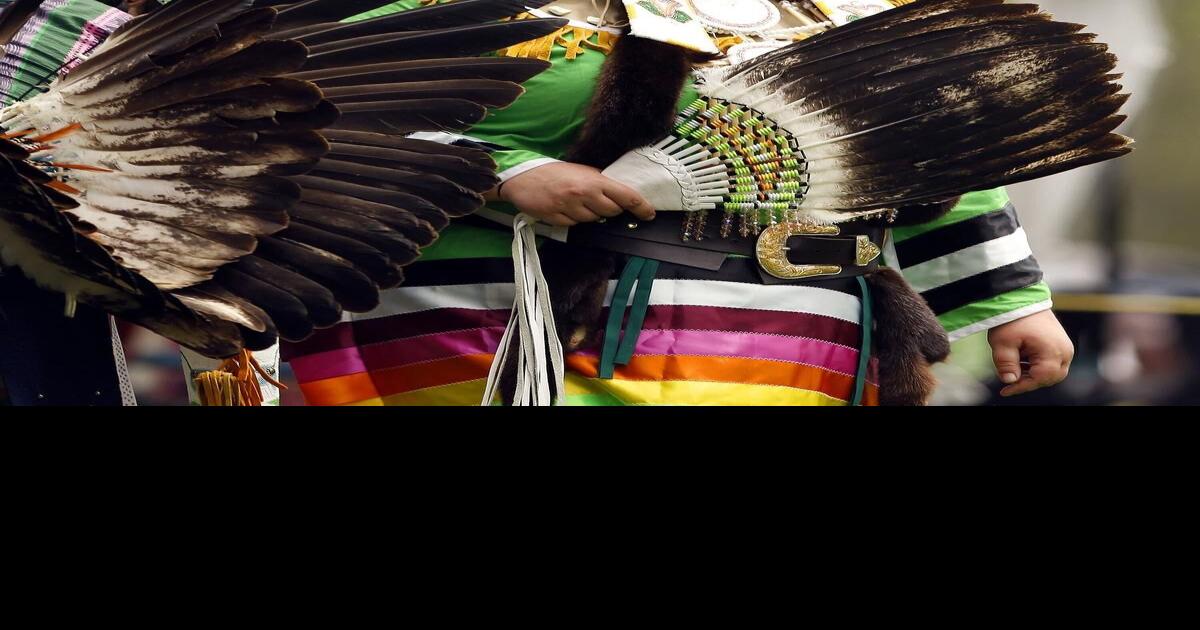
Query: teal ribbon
(864, 352)
(618, 348)
(637, 315)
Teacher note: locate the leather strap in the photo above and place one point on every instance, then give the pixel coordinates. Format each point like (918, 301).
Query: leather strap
(661, 240)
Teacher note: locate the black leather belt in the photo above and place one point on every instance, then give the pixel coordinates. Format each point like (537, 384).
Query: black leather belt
(786, 253)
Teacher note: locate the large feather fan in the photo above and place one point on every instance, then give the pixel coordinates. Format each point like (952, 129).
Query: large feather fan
(224, 173)
(914, 105)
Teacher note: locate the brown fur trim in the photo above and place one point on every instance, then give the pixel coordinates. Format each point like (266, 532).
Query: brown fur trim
(634, 105)
(908, 341)
(578, 280)
(635, 100)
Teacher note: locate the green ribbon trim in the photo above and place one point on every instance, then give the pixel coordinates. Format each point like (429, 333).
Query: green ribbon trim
(864, 352)
(637, 316)
(616, 314)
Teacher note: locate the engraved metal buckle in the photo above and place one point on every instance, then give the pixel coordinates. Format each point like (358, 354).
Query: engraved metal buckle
(772, 250)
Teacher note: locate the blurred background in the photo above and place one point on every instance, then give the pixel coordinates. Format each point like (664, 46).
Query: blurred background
(1118, 241)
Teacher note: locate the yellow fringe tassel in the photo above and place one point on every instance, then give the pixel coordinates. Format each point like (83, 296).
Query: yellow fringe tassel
(725, 43)
(580, 39)
(234, 383)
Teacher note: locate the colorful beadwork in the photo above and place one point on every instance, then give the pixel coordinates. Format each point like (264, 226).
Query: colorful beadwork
(756, 167)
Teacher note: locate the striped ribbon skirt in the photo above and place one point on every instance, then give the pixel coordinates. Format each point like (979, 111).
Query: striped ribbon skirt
(708, 339)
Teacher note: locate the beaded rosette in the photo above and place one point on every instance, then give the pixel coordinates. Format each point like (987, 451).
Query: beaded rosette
(738, 164)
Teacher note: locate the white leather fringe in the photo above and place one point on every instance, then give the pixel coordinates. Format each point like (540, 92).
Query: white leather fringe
(540, 359)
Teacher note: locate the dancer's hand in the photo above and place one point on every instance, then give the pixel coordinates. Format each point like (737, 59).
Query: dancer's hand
(1039, 341)
(566, 194)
